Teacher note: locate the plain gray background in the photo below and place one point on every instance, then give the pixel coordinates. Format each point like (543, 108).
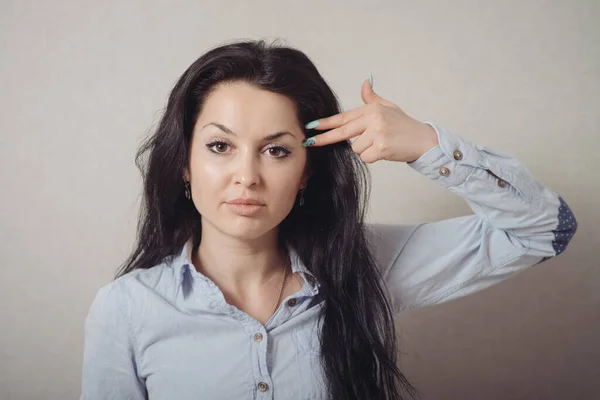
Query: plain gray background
(82, 82)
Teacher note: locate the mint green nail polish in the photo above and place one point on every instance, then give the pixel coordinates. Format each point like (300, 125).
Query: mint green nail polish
(371, 79)
(312, 124)
(309, 142)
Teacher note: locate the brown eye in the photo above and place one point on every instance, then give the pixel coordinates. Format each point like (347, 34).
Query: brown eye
(218, 147)
(278, 152)
(275, 152)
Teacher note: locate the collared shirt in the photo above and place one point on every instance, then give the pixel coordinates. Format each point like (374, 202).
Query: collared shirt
(167, 332)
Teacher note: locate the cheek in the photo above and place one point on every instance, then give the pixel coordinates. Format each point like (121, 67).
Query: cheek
(285, 180)
(208, 177)
(210, 173)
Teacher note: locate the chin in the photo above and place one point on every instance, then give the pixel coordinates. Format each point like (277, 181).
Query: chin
(244, 228)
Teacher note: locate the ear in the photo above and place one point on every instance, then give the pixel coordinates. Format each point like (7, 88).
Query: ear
(186, 174)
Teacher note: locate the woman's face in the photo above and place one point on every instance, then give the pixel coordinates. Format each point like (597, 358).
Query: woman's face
(246, 148)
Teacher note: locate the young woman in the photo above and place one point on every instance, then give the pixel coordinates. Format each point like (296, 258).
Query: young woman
(254, 274)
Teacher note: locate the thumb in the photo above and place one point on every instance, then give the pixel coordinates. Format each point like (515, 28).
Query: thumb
(369, 96)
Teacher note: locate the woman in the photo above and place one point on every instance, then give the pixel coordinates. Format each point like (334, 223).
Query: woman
(254, 276)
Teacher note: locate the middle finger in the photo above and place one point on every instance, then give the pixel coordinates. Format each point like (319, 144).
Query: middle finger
(344, 132)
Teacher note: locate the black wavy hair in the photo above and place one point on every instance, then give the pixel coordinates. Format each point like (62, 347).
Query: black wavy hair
(358, 340)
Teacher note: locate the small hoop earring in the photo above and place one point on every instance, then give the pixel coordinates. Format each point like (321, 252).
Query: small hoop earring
(301, 197)
(188, 192)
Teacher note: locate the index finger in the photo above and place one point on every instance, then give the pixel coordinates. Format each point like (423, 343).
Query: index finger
(336, 120)
(344, 132)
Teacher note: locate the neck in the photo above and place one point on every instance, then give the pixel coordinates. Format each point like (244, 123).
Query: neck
(239, 264)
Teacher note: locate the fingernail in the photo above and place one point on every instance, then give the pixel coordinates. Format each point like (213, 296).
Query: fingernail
(312, 124)
(309, 142)
(371, 79)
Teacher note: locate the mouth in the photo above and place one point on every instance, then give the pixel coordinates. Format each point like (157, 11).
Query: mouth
(246, 207)
(246, 201)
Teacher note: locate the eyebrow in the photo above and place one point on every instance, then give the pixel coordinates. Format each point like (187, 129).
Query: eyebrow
(230, 132)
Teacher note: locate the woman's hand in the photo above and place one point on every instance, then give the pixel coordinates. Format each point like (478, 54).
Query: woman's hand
(382, 130)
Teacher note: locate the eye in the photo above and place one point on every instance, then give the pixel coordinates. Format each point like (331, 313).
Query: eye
(278, 151)
(218, 147)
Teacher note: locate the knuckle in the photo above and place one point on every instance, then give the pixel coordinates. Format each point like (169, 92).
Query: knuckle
(379, 114)
(336, 120)
(379, 127)
(343, 131)
(377, 118)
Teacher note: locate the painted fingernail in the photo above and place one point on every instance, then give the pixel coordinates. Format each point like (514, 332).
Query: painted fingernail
(312, 124)
(309, 142)
(371, 79)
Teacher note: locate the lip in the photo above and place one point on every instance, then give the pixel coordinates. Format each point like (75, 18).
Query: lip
(245, 207)
(246, 201)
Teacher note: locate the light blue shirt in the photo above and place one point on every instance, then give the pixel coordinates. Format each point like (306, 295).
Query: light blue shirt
(167, 332)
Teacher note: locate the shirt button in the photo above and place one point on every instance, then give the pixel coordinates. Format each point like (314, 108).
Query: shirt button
(291, 302)
(501, 183)
(263, 387)
(258, 337)
(458, 155)
(444, 171)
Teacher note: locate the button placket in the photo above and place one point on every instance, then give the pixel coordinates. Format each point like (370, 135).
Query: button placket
(262, 378)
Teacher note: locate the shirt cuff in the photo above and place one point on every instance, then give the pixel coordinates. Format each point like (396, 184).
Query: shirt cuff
(451, 162)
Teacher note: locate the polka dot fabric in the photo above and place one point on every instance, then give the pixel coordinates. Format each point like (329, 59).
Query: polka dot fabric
(567, 226)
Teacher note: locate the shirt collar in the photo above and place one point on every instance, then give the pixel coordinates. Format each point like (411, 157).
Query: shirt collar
(182, 261)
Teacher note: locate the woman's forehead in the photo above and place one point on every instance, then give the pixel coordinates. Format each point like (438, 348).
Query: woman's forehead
(247, 110)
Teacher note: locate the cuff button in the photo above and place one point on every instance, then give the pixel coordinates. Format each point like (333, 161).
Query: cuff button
(444, 171)
(457, 155)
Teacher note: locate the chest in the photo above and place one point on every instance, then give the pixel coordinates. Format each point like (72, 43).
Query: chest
(206, 356)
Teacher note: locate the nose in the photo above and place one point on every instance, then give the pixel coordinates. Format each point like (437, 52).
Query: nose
(246, 170)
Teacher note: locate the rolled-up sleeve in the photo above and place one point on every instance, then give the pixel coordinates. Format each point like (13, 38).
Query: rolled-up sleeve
(517, 223)
(110, 360)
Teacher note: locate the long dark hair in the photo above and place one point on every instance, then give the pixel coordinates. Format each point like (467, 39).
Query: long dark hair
(358, 341)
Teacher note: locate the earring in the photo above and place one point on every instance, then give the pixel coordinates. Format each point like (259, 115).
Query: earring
(188, 192)
(301, 197)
